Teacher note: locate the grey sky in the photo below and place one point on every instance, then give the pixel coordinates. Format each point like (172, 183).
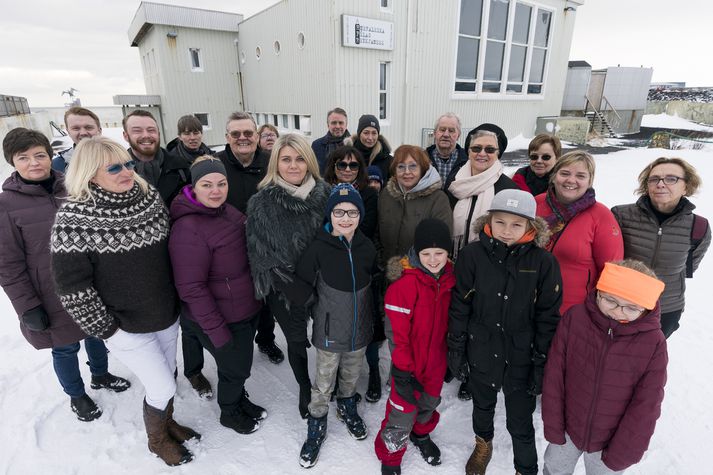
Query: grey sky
(49, 47)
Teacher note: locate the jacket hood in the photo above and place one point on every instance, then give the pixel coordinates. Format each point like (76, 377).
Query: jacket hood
(650, 321)
(398, 265)
(185, 204)
(382, 146)
(542, 236)
(429, 183)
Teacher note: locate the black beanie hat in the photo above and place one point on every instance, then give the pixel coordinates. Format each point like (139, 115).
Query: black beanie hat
(502, 138)
(205, 167)
(344, 192)
(368, 120)
(432, 232)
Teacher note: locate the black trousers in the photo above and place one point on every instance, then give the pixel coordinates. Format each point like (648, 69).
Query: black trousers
(192, 348)
(293, 323)
(519, 406)
(669, 322)
(234, 361)
(265, 327)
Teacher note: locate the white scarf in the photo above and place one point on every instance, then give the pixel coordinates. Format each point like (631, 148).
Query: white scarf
(300, 192)
(465, 187)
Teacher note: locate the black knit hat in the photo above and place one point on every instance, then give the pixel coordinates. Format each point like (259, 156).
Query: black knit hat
(205, 167)
(344, 193)
(368, 120)
(432, 232)
(502, 138)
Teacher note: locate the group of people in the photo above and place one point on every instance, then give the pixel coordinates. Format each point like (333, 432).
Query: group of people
(525, 285)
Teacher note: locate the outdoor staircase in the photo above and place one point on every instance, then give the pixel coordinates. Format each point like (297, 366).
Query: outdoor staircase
(600, 124)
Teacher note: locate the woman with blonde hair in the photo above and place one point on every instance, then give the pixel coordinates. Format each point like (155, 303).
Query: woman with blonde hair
(112, 273)
(284, 216)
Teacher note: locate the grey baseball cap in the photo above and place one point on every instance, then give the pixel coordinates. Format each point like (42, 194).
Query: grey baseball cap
(517, 202)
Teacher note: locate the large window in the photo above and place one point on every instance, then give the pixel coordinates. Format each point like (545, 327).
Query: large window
(384, 73)
(503, 47)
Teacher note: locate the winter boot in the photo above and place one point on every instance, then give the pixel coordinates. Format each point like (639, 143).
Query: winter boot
(373, 391)
(251, 409)
(239, 421)
(464, 392)
(429, 451)
(110, 382)
(480, 458)
(160, 443)
(305, 398)
(201, 386)
(390, 469)
(85, 409)
(178, 432)
(347, 413)
(272, 351)
(316, 433)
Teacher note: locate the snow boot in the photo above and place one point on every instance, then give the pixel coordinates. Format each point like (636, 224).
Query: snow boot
(250, 408)
(178, 432)
(464, 392)
(347, 413)
(373, 391)
(110, 382)
(480, 458)
(316, 433)
(160, 442)
(201, 386)
(239, 421)
(429, 451)
(85, 408)
(272, 351)
(390, 469)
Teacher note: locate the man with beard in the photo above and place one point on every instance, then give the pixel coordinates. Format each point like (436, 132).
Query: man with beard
(445, 153)
(336, 133)
(245, 167)
(189, 143)
(80, 123)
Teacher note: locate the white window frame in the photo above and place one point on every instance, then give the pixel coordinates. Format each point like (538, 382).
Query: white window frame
(208, 125)
(503, 93)
(199, 67)
(384, 90)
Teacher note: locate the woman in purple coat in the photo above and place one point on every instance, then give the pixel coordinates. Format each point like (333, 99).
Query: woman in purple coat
(212, 275)
(29, 201)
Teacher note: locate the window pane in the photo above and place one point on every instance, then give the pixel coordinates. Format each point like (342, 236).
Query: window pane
(514, 88)
(491, 87)
(470, 16)
(195, 59)
(382, 76)
(284, 121)
(522, 23)
(534, 89)
(498, 22)
(542, 30)
(297, 122)
(384, 3)
(274, 120)
(494, 60)
(382, 105)
(465, 86)
(202, 118)
(537, 67)
(467, 62)
(517, 63)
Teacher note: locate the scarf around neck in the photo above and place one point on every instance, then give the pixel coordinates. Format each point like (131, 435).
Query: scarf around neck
(301, 192)
(564, 213)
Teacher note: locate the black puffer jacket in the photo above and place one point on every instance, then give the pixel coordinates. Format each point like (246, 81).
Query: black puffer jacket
(243, 181)
(341, 274)
(176, 147)
(507, 302)
(379, 155)
(663, 247)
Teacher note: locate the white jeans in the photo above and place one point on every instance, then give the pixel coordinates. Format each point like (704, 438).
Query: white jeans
(561, 460)
(152, 358)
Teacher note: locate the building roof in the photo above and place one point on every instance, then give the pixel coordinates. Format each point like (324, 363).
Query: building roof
(578, 64)
(149, 14)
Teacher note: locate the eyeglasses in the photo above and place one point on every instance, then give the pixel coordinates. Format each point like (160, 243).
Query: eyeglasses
(668, 180)
(245, 133)
(402, 167)
(480, 148)
(339, 213)
(546, 157)
(342, 166)
(611, 304)
(117, 168)
(264, 136)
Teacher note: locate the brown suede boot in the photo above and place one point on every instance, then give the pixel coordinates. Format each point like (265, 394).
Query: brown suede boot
(178, 432)
(480, 458)
(160, 443)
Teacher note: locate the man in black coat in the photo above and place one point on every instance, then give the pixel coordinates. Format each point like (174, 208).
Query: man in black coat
(334, 138)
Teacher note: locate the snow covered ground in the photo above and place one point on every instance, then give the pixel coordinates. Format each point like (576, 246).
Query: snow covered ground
(39, 433)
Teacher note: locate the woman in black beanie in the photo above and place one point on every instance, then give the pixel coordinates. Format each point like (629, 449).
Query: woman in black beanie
(372, 145)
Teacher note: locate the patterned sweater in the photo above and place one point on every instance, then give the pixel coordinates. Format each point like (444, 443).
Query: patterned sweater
(111, 265)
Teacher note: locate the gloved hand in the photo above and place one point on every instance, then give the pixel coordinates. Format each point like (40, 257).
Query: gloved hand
(405, 383)
(534, 386)
(36, 319)
(230, 345)
(457, 361)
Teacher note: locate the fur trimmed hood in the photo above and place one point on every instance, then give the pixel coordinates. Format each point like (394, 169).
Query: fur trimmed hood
(393, 189)
(382, 146)
(542, 236)
(396, 266)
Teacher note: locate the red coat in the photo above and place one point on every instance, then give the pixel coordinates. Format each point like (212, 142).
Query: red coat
(604, 383)
(416, 308)
(591, 239)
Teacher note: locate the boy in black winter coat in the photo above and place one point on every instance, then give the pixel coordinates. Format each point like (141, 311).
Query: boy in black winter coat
(503, 315)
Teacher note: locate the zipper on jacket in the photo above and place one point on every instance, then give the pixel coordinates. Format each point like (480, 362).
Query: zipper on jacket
(326, 330)
(354, 294)
(655, 255)
(227, 282)
(597, 384)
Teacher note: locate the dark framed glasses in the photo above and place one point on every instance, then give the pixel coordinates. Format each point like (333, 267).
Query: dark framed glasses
(118, 167)
(342, 166)
(544, 157)
(611, 304)
(667, 180)
(479, 148)
(339, 213)
(245, 133)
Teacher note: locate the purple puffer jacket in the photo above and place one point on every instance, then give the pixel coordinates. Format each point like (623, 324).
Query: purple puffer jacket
(26, 216)
(210, 265)
(604, 383)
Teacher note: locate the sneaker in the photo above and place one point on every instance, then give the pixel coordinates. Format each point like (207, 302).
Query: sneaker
(347, 413)
(239, 421)
(85, 409)
(316, 433)
(390, 469)
(110, 382)
(429, 451)
(272, 351)
(251, 409)
(373, 391)
(202, 386)
(464, 392)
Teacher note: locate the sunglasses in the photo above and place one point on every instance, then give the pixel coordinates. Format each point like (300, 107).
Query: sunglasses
(546, 157)
(339, 213)
(341, 166)
(480, 148)
(118, 167)
(245, 133)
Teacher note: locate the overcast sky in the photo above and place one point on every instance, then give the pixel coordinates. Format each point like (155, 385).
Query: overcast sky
(50, 46)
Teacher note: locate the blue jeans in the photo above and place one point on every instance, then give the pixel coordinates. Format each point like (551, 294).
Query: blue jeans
(66, 364)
